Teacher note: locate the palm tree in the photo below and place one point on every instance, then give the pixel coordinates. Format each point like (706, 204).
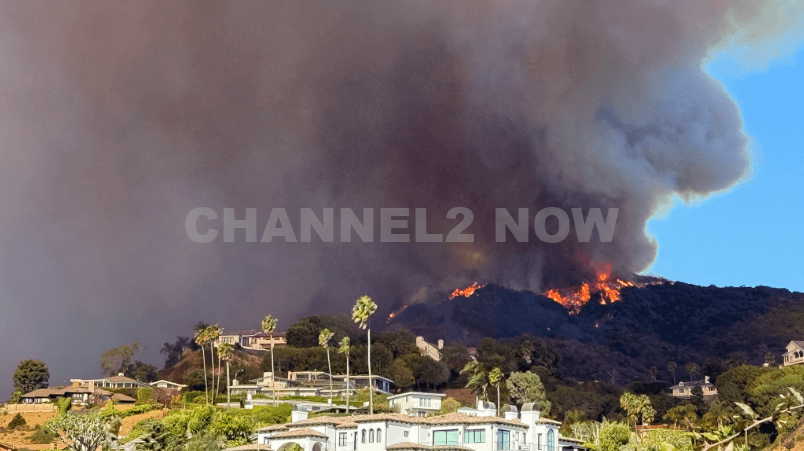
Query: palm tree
(344, 346)
(478, 378)
(361, 314)
(692, 369)
(201, 337)
(223, 353)
(495, 377)
(167, 349)
(671, 367)
(268, 327)
(323, 340)
(653, 372)
(214, 334)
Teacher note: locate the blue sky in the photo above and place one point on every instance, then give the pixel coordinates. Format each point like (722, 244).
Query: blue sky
(751, 235)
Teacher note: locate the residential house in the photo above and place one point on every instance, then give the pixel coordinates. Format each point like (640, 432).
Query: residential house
(81, 396)
(119, 381)
(466, 430)
(794, 354)
(380, 384)
(311, 383)
(167, 384)
(417, 404)
(428, 349)
(253, 339)
(684, 389)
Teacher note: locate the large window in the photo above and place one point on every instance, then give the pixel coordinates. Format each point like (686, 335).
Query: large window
(379, 435)
(449, 437)
(539, 441)
(363, 436)
(503, 440)
(342, 439)
(551, 440)
(474, 436)
(371, 435)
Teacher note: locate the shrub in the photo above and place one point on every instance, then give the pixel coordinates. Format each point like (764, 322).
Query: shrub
(613, 436)
(41, 436)
(146, 395)
(64, 404)
(16, 422)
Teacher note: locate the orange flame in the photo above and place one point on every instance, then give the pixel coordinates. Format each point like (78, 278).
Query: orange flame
(393, 314)
(573, 299)
(466, 292)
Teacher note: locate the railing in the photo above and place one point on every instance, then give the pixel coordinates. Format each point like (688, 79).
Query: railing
(25, 408)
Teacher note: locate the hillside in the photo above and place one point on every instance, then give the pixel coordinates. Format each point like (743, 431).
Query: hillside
(650, 326)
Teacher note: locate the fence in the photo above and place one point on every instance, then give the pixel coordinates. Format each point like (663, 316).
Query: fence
(27, 408)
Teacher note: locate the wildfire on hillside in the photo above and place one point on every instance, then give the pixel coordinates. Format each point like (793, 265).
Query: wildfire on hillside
(574, 298)
(466, 292)
(393, 314)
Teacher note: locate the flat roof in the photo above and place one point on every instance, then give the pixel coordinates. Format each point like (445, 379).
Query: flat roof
(416, 393)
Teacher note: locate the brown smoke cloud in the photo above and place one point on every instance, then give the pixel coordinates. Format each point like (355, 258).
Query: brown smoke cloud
(119, 118)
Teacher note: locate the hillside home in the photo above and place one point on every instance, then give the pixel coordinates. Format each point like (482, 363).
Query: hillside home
(428, 349)
(81, 396)
(252, 339)
(167, 384)
(794, 354)
(417, 404)
(684, 389)
(119, 381)
(466, 430)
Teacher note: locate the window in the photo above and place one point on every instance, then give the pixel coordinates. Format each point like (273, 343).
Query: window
(551, 440)
(474, 436)
(342, 439)
(371, 435)
(406, 433)
(379, 435)
(503, 440)
(363, 436)
(449, 437)
(539, 441)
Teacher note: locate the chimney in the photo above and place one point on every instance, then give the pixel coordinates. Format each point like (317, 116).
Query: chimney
(486, 409)
(298, 415)
(530, 413)
(510, 413)
(440, 344)
(706, 379)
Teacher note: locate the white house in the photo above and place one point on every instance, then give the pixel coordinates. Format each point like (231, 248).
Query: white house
(684, 389)
(417, 404)
(161, 383)
(794, 354)
(466, 430)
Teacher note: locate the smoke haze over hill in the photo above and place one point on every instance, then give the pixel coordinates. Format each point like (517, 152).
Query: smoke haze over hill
(119, 119)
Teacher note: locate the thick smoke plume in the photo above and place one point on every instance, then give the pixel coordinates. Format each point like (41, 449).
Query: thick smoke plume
(118, 119)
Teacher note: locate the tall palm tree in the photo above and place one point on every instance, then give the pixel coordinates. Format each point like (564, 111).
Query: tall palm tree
(478, 378)
(223, 353)
(344, 346)
(495, 377)
(268, 327)
(692, 369)
(361, 314)
(201, 337)
(323, 340)
(671, 367)
(214, 334)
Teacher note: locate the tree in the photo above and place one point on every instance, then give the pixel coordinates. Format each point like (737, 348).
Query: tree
(17, 421)
(697, 400)
(528, 387)
(31, 375)
(214, 333)
(224, 351)
(449, 405)
(361, 314)
(685, 414)
(268, 327)
(323, 340)
(692, 369)
(116, 360)
(638, 408)
(495, 377)
(201, 338)
(344, 347)
(141, 371)
(653, 372)
(478, 378)
(402, 375)
(84, 432)
(671, 367)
